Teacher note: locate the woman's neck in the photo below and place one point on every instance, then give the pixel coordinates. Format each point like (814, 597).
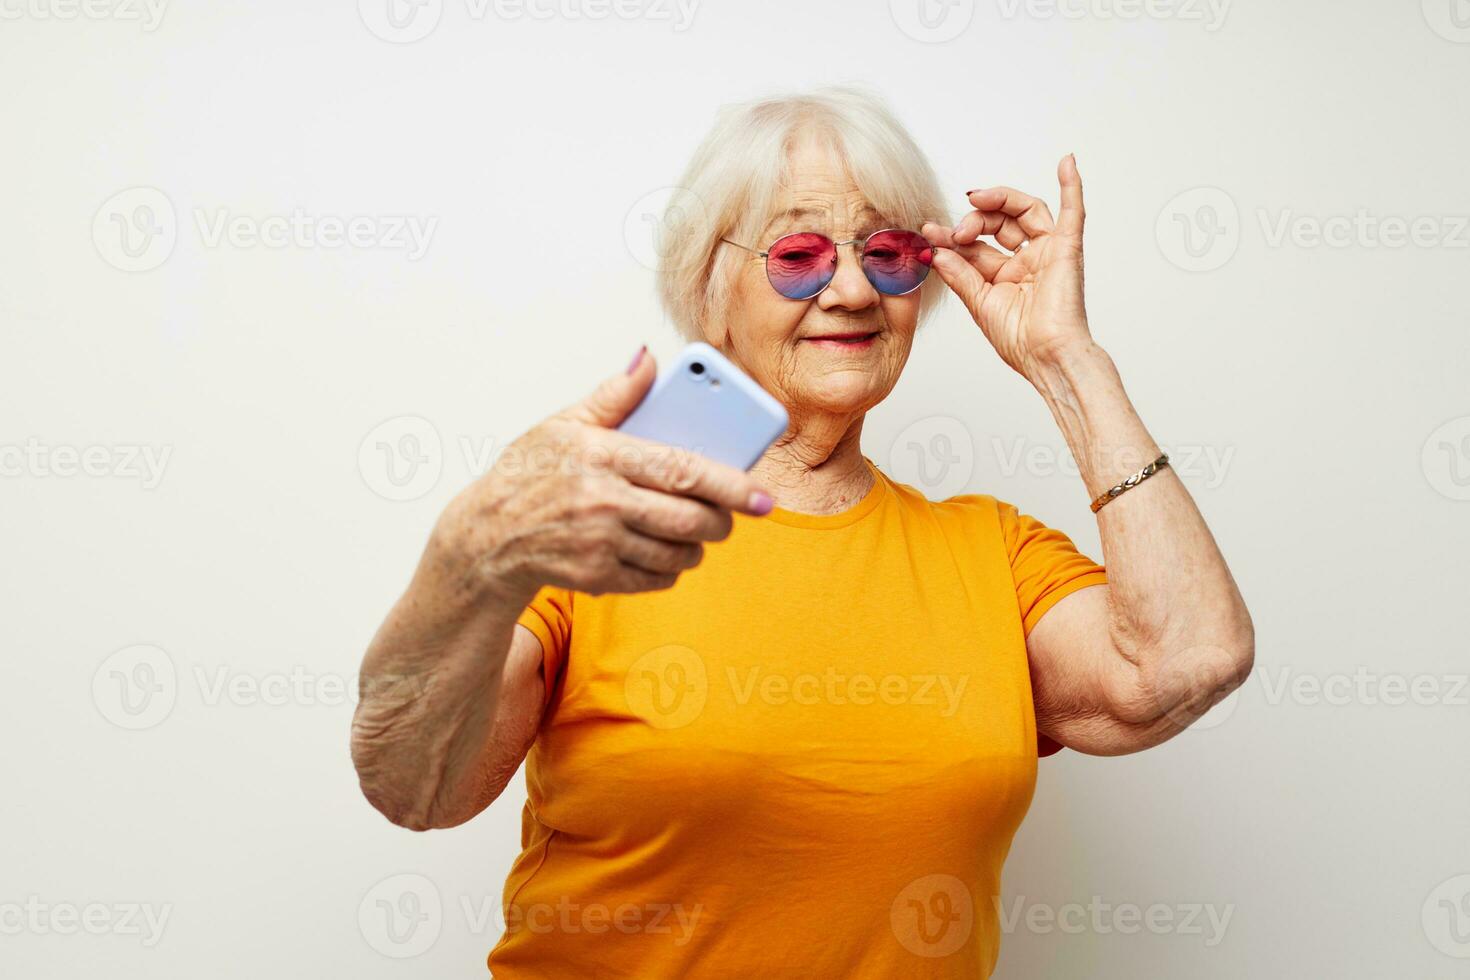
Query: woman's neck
(816, 468)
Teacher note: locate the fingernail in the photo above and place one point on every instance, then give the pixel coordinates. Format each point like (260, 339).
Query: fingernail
(637, 359)
(975, 191)
(761, 502)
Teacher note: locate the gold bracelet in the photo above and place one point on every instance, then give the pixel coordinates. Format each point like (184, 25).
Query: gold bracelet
(1131, 482)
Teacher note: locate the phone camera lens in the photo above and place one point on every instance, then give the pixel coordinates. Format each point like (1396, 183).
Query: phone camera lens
(697, 368)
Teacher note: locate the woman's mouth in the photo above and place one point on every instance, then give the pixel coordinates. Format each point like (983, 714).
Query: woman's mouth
(843, 341)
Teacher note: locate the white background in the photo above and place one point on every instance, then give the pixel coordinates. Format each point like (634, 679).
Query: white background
(1330, 826)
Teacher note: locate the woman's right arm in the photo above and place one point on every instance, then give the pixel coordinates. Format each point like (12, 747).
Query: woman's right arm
(451, 686)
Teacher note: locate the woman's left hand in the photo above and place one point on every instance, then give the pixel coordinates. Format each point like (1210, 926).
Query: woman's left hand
(1029, 304)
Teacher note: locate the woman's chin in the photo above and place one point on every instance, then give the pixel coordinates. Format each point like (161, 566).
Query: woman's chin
(841, 391)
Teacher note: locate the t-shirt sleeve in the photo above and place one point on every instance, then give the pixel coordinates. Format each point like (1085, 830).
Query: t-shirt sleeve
(549, 616)
(1045, 565)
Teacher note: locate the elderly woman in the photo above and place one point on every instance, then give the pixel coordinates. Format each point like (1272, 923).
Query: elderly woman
(786, 722)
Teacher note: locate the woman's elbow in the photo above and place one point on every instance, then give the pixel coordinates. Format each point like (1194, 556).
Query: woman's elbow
(1180, 679)
(394, 795)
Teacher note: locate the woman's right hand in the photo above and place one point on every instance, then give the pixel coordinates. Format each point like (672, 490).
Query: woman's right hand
(572, 503)
(577, 504)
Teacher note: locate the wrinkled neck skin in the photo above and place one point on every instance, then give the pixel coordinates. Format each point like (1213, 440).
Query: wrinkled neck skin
(817, 466)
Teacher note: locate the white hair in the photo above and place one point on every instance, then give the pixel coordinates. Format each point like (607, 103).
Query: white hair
(731, 185)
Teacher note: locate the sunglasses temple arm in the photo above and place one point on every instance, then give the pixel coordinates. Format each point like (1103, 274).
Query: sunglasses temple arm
(746, 247)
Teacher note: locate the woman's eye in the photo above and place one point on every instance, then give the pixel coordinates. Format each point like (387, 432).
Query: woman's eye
(882, 253)
(795, 255)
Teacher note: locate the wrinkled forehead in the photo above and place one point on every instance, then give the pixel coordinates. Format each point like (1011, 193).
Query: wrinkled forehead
(835, 218)
(817, 192)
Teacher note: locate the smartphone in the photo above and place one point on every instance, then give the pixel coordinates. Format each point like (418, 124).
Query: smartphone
(709, 406)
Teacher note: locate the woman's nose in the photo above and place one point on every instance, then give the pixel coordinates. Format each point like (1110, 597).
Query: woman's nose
(849, 288)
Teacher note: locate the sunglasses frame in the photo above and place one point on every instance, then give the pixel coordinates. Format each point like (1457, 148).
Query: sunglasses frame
(766, 256)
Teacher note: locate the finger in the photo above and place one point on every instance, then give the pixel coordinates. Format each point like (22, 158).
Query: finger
(986, 258)
(660, 515)
(612, 400)
(997, 224)
(679, 471)
(1032, 213)
(658, 556)
(631, 578)
(962, 277)
(1073, 213)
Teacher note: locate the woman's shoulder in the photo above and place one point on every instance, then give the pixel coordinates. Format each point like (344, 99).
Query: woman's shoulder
(955, 506)
(967, 509)
(917, 497)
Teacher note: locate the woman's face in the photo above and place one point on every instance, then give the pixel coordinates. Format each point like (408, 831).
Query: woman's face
(777, 340)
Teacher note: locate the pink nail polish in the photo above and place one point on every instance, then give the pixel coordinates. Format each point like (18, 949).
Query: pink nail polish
(761, 502)
(637, 359)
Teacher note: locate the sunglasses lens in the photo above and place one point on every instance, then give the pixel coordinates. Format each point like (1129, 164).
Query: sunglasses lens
(897, 261)
(800, 266)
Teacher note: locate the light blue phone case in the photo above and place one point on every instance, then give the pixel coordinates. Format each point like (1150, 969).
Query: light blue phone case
(706, 404)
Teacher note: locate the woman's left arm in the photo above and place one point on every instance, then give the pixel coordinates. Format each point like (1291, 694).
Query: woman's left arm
(1119, 667)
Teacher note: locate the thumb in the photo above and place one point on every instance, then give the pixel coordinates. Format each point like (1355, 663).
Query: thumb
(961, 277)
(612, 400)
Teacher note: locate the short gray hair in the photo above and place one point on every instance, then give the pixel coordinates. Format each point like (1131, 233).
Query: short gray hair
(730, 187)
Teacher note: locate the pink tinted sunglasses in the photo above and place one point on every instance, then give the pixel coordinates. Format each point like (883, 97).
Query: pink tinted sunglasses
(801, 265)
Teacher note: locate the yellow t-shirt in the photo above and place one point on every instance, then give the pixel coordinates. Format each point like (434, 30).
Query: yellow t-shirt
(808, 758)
